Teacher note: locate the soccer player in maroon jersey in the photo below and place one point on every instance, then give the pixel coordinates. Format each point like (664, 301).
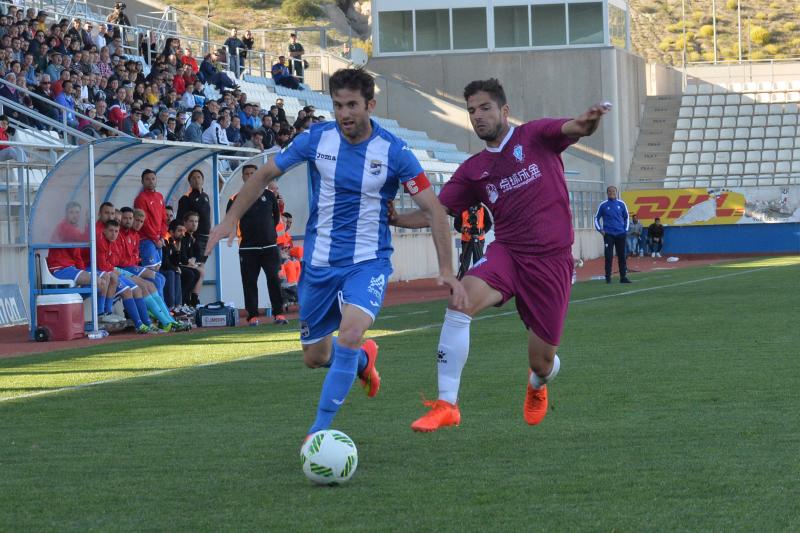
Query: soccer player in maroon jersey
(520, 178)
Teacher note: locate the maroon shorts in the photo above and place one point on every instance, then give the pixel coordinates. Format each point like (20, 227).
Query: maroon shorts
(541, 286)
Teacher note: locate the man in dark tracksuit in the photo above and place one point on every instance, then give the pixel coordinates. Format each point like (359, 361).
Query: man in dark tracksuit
(258, 250)
(611, 220)
(196, 200)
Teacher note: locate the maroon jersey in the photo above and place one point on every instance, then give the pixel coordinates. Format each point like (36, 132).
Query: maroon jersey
(522, 182)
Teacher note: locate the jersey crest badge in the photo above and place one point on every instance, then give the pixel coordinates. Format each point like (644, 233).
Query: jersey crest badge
(519, 155)
(491, 191)
(375, 167)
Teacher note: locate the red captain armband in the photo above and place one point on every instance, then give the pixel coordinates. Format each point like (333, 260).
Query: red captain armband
(416, 185)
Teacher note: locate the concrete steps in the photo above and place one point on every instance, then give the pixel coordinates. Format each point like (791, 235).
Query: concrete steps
(654, 143)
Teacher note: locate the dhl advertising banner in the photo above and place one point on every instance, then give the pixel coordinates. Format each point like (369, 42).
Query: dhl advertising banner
(690, 207)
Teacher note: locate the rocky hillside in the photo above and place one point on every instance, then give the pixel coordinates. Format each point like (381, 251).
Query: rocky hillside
(770, 29)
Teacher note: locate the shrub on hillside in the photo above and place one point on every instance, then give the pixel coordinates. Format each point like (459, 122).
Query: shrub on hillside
(789, 27)
(758, 54)
(732, 4)
(694, 57)
(675, 28)
(760, 35)
(301, 9)
(761, 15)
(707, 30)
(772, 49)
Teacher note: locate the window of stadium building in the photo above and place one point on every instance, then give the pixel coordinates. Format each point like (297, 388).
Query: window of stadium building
(469, 28)
(549, 24)
(586, 23)
(395, 29)
(511, 28)
(433, 29)
(617, 22)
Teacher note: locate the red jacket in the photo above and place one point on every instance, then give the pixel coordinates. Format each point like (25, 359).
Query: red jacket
(179, 84)
(58, 258)
(155, 222)
(108, 254)
(129, 247)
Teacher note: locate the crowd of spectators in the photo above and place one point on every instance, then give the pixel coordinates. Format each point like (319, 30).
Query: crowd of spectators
(83, 67)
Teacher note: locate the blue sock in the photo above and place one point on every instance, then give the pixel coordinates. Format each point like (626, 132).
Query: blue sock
(362, 357)
(160, 280)
(142, 308)
(164, 307)
(152, 306)
(109, 308)
(335, 387)
(130, 309)
(101, 304)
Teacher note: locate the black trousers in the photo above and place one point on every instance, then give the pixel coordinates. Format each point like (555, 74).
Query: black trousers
(615, 242)
(251, 263)
(189, 278)
(471, 253)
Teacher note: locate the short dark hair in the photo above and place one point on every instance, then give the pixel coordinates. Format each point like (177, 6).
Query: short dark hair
(193, 171)
(175, 223)
(169, 207)
(106, 204)
(147, 171)
(249, 166)
(287, 214)
(126, 209)
(111, 223)
(491, 86)
(355, 79)
(191, 214)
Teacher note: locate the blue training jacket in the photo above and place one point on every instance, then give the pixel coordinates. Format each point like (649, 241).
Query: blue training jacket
(614, 216)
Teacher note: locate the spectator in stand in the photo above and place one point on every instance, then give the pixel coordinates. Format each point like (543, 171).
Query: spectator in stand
(187, 58)
(268, 135)
(611, 220)
(249, 42)
(130, 124)
(256, 141)
(258, 251)
(215, 133)
(281, 75)
(233, 132)
(155, 224)
(118, 18)
(235, 48)
(655, 232)
(197, 201)
(297, 64)
(280, 112)
(634, 234)
(100, 40)
(210, 74)
(67, 100)
(284, 137)
(194, 131)
(9, 153)
(302, 124)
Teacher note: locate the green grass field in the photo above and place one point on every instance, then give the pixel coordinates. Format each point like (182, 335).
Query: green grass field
(676, 409)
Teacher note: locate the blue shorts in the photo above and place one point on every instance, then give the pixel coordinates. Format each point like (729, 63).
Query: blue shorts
(149, 253)
(124, 284)
(323, 290)
(70, 273)
(131, 271)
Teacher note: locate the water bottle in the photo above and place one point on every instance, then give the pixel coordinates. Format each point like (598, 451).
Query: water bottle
(98, 334)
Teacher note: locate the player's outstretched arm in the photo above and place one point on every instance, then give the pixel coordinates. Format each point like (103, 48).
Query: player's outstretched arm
(587, 123)
(440, 229)
(410, 219)
(250, 191)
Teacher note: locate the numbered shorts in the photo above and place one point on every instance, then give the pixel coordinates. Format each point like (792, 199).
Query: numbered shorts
(541, 286)
(149, 253)
(323, 290)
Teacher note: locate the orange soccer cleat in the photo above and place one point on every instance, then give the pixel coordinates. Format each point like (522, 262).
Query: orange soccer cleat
(535, 407)
(442, 414)
(370, 379)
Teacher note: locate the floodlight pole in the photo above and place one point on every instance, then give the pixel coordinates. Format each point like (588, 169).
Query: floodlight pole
(714, 26)
(739, 19)
(95, 334)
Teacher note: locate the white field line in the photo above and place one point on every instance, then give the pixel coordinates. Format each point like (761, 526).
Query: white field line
(420, 328)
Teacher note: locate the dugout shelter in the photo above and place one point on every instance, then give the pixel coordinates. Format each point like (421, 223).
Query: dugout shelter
(110, 170)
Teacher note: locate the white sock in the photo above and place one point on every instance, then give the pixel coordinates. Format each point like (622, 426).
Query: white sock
(537, 382)
(452, 354)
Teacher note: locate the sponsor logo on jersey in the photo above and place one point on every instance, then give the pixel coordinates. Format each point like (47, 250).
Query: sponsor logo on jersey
(522, 177)
(326, 157)
(375, 167)
(304, 330)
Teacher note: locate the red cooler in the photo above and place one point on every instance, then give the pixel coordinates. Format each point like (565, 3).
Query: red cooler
(59, 317)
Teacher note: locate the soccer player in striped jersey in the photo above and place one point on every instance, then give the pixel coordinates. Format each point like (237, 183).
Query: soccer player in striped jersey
(355, 169)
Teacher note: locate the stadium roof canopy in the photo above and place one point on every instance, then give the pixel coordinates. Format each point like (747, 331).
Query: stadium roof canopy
(109, 170)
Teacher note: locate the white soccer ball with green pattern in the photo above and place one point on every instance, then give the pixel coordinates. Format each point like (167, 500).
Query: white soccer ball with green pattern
(329, 457)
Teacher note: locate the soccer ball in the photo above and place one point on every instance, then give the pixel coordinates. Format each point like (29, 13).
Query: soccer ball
(329, 457)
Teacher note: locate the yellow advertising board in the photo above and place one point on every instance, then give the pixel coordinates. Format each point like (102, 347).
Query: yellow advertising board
(685, 207)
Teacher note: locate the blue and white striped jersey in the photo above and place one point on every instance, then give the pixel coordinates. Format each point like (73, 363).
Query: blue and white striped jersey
(351, 185)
